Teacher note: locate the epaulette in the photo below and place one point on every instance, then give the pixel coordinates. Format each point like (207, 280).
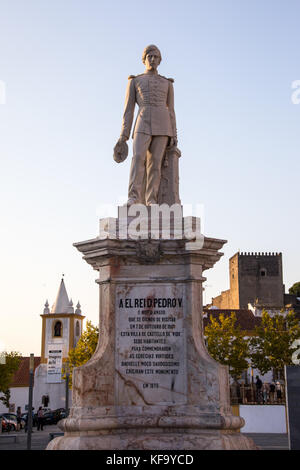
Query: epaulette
(131, 76)
(170, 79)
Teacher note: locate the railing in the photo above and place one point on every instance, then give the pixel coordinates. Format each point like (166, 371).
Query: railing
(250, 395)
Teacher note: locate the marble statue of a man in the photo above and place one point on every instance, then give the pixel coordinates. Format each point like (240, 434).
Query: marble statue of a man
(154, 129)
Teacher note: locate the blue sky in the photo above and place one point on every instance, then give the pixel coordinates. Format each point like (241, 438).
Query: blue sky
(65, 66)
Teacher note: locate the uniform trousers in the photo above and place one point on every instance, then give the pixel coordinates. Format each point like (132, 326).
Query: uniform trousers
(145, 171)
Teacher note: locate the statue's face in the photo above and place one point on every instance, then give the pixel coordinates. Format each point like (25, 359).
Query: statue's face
(152, 60)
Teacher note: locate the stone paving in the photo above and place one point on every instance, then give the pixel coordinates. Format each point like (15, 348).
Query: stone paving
(18, 440)
(40, 439)
(270, 441)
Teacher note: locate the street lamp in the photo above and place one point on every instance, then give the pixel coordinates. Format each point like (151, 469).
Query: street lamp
(29, 412)
(67, 374)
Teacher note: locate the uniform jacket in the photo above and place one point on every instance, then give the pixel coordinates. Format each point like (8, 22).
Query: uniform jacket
(154, 95)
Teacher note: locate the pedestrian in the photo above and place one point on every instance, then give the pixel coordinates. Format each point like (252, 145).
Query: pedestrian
(40, 419)
(19, 416)
(278, 391)
(258, 384)
(265, 392)
(272, 392)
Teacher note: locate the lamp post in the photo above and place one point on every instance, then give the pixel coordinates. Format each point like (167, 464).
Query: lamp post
(67, 373)
(29, 413)
(252, 385)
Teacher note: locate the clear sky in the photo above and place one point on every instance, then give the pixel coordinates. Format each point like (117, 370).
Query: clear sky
(65, 65)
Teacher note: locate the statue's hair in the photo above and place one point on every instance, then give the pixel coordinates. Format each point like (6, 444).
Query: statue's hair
(147, 49)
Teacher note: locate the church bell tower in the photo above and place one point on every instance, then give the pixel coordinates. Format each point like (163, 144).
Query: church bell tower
(62, 326)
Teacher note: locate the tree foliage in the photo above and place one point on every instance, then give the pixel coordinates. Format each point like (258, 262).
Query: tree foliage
(226, 343)
(272, 343)
(84, 349)
(295, 289)
(5, 398)
(8, 366)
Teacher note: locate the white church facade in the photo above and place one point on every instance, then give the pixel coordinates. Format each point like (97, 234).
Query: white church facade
(62, 327)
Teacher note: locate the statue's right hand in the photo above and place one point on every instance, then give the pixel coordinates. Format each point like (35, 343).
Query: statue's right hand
(121, 150)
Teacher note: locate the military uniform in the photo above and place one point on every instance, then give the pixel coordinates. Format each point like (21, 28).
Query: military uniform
(155, 124)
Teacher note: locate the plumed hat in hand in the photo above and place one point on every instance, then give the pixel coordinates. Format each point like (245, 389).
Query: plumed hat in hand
(120, 152)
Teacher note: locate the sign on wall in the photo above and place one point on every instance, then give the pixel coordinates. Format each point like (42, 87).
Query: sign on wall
(54, 365)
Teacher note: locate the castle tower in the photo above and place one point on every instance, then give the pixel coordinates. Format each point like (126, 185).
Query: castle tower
(255, 278)
(62, 327)
(260, 279)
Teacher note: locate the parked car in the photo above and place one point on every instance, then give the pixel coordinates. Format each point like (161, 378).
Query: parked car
(60, 413)
(24, 418)
(49, 417)
(45, 410)
(4, 424)
(9, 422)
(15, 418)
(53, 416)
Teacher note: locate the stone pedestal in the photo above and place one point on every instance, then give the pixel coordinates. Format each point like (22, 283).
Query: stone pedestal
(151, 383)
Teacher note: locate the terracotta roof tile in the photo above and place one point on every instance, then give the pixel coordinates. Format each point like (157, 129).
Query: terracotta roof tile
(245, 318)
(21, 376)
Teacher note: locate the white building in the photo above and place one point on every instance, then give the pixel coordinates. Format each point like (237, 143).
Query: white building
(61, 330)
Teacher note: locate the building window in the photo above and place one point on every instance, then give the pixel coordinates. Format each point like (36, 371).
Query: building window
(57, 329)
(263, 272)
(77, 331)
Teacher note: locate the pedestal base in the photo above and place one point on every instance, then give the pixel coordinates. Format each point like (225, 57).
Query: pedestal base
(151, 383)
(181, 439)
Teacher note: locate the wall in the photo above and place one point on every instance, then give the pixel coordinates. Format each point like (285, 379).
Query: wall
(222, 300)
(55, 391)
(234, 296)
(264, 418)
(247, 284)
(267, 289)
(63, 341)
(19, 397)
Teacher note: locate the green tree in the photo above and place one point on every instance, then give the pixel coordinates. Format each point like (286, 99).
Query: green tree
(272, 342)
(9, 364)
(295, 289)
(226, 343)
(84, 349)
(6, 398)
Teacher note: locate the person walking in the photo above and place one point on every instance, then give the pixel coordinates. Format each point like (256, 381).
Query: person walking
(265, 392)
(19, 416)
(40, 419)
(258, 384)
(278, 391)
(272, 392)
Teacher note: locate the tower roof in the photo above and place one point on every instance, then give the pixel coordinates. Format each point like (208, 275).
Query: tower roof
(62, 303)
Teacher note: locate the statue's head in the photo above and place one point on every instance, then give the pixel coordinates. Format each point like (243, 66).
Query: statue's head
(151, 57)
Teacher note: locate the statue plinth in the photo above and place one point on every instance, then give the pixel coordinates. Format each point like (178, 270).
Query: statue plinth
(151, 383)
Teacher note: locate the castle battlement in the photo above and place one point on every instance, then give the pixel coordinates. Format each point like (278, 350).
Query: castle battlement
(254, 276)
(260, 254)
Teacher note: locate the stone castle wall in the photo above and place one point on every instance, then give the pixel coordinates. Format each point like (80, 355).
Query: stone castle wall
(254, 277)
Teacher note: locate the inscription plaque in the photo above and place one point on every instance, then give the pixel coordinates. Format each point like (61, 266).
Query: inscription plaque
(150, 343)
